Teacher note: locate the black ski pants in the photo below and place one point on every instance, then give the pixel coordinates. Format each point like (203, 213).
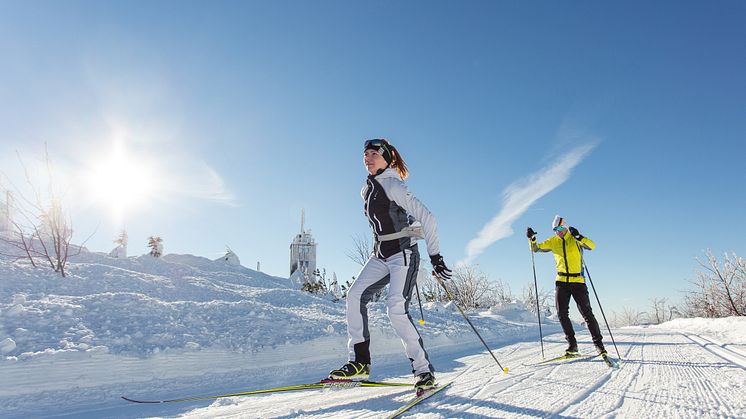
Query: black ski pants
(579, 292)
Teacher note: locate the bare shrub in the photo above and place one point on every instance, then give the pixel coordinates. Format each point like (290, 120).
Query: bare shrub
(661, 311)
(362, 248)
(719, 287)
(40, 228)
(629, 317)
(545, 300)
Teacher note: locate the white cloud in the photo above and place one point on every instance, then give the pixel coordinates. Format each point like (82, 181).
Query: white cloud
(520, 195)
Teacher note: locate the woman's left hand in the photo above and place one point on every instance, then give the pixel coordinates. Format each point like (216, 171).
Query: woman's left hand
(441, 270)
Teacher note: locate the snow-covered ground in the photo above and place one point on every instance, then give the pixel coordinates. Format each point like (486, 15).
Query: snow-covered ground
(185, 325)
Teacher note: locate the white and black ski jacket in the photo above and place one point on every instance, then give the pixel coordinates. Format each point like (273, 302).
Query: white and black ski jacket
(389, 207)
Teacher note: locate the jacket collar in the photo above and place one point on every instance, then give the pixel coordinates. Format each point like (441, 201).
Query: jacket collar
(385, 173)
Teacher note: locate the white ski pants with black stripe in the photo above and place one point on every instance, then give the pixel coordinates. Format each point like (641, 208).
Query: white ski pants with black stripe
(400, 272)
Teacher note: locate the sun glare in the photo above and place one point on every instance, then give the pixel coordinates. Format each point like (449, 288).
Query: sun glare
(120, 182)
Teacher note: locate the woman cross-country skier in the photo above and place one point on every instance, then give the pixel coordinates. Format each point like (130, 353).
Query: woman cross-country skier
(391, 211)
(570, 279)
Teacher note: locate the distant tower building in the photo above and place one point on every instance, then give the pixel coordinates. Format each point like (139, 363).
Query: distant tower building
(303, 251)
(6, 213)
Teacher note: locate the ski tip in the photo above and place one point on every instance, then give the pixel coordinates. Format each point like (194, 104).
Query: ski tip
(140, 401)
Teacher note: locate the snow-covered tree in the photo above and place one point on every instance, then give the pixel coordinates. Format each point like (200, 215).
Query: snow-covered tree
(628, 317)
(719, 288)
(470, 287)
(121, 250)
(346, 287)
(156, 246)
(661, 311)
(545, 299)
(122, 238)
(6, 214)
(334, 286)
(429, 287)
(230, 258)
(320, 283)
(298, 278)
(316, 282)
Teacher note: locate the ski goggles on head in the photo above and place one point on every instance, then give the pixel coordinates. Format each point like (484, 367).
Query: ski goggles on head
(375, 143)
(559, 228)
(379, 145)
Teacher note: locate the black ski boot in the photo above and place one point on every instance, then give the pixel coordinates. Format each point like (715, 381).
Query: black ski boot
(352, 370)
(572, 350)
(601, 350)
(425, 381)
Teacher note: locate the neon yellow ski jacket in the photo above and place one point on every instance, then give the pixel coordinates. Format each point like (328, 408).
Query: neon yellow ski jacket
(567, 255)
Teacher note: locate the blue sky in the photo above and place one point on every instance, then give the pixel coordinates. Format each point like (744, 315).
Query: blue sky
(243, 113)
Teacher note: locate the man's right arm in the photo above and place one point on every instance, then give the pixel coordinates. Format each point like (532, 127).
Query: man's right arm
(544, 246)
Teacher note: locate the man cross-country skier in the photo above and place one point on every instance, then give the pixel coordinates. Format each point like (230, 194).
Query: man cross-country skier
(567, 246)
(391, 211)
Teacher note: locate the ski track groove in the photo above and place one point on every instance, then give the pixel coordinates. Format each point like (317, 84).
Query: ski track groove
(718, 349)
(484, 367)
(474, 366)
(591, 407)
(704, 388)
(633, 377)
(695, 384)
(661, 374)
(585, 405)
(727, 347)
(630, 386)
(498, 388)
(441, 379)
(387, 401)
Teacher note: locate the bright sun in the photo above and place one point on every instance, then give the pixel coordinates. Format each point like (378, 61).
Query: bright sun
(120, 182)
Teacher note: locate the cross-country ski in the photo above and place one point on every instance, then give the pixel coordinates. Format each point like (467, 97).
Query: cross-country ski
(417, 399)
(323, 384)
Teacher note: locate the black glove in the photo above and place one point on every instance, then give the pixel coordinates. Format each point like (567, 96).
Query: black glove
(575, 233)
(439, 267)
(531, 234)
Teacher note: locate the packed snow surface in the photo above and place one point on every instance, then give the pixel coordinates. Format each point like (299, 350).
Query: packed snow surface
(184, 325)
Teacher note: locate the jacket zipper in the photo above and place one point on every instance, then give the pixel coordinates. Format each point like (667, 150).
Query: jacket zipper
(371, 188)
(567, 268)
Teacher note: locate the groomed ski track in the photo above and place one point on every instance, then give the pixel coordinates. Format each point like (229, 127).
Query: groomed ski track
(664, 374)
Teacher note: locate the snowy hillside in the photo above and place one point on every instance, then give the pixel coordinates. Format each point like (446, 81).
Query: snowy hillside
(184, 324)
(187, 326)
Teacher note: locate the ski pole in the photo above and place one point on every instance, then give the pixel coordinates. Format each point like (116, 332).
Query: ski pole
(602, 309)
(448, 294)
(419, 300)
(536, 288)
